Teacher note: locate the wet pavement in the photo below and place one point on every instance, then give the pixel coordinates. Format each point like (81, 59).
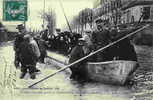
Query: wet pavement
(60, 86)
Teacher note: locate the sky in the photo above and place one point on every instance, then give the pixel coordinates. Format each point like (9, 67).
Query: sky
(71, 7)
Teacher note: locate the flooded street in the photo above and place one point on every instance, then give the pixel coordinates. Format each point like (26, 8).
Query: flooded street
(48, 40)
(60, 86)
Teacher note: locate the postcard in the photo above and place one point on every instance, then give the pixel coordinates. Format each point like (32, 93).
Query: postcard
(76, 49)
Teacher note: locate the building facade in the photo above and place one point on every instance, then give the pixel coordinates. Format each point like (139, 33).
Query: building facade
(124, 11)
(141, 10)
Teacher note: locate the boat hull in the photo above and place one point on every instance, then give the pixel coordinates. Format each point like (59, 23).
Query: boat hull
(111, 72)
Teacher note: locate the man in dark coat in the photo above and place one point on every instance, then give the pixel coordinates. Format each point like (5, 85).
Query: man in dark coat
(18, 40)
(100, 38)
(29, 54)
(123, 50)
(79, 51)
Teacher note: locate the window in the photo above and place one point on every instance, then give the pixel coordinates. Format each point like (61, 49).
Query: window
(132, 19)
(146, 13)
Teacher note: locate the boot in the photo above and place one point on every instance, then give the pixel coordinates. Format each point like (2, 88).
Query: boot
(33, 76)
(17, 64)
(37, 70)
(22, 75)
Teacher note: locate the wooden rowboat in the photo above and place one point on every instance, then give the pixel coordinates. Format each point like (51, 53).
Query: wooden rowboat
(111, 72)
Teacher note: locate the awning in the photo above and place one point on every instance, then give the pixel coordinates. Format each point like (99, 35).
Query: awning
(137, 3)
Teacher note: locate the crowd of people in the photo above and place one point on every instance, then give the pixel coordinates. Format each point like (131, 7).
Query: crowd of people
(29, 50)
(62, 42)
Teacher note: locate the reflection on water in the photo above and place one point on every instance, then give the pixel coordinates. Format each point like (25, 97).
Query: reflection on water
(84, 89)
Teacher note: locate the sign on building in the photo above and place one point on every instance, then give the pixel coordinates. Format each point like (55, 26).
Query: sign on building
(15, 10)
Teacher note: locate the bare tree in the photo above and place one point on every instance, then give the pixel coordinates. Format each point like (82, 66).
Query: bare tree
(50, 18)
(86, 16)
(79, 21)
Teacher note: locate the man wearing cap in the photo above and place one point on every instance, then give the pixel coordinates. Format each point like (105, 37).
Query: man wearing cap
(100, 38)
(79, 51)
(18, 40)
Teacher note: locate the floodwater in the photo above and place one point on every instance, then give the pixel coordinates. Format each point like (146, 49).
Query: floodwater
(60, 87)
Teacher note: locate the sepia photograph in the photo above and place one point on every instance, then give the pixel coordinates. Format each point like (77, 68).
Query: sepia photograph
(76, 49)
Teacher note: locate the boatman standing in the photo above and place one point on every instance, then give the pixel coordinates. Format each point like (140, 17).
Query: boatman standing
(100, 38)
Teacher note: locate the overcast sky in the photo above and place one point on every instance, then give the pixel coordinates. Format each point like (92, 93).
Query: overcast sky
(72, 7)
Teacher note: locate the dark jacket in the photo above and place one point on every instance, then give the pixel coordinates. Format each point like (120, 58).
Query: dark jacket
(76, 53)
(123, 50)
(126, 50)
(100, 38)
(29, 52)
(18, 40)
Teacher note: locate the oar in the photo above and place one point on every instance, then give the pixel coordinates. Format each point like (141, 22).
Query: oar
(77, 61)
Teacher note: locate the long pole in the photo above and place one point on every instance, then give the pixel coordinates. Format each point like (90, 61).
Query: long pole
(43, 15)
(24, 22)
(101, 49)
(65, 16)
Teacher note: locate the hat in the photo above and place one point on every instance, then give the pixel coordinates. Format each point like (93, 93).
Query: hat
(99, 21)
(81, 39)
(58, 30)
(37, 37)
(88, 30)
(27, 36)
(21, 26)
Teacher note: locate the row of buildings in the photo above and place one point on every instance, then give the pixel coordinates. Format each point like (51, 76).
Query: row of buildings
(116, 12)
(124, 11)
